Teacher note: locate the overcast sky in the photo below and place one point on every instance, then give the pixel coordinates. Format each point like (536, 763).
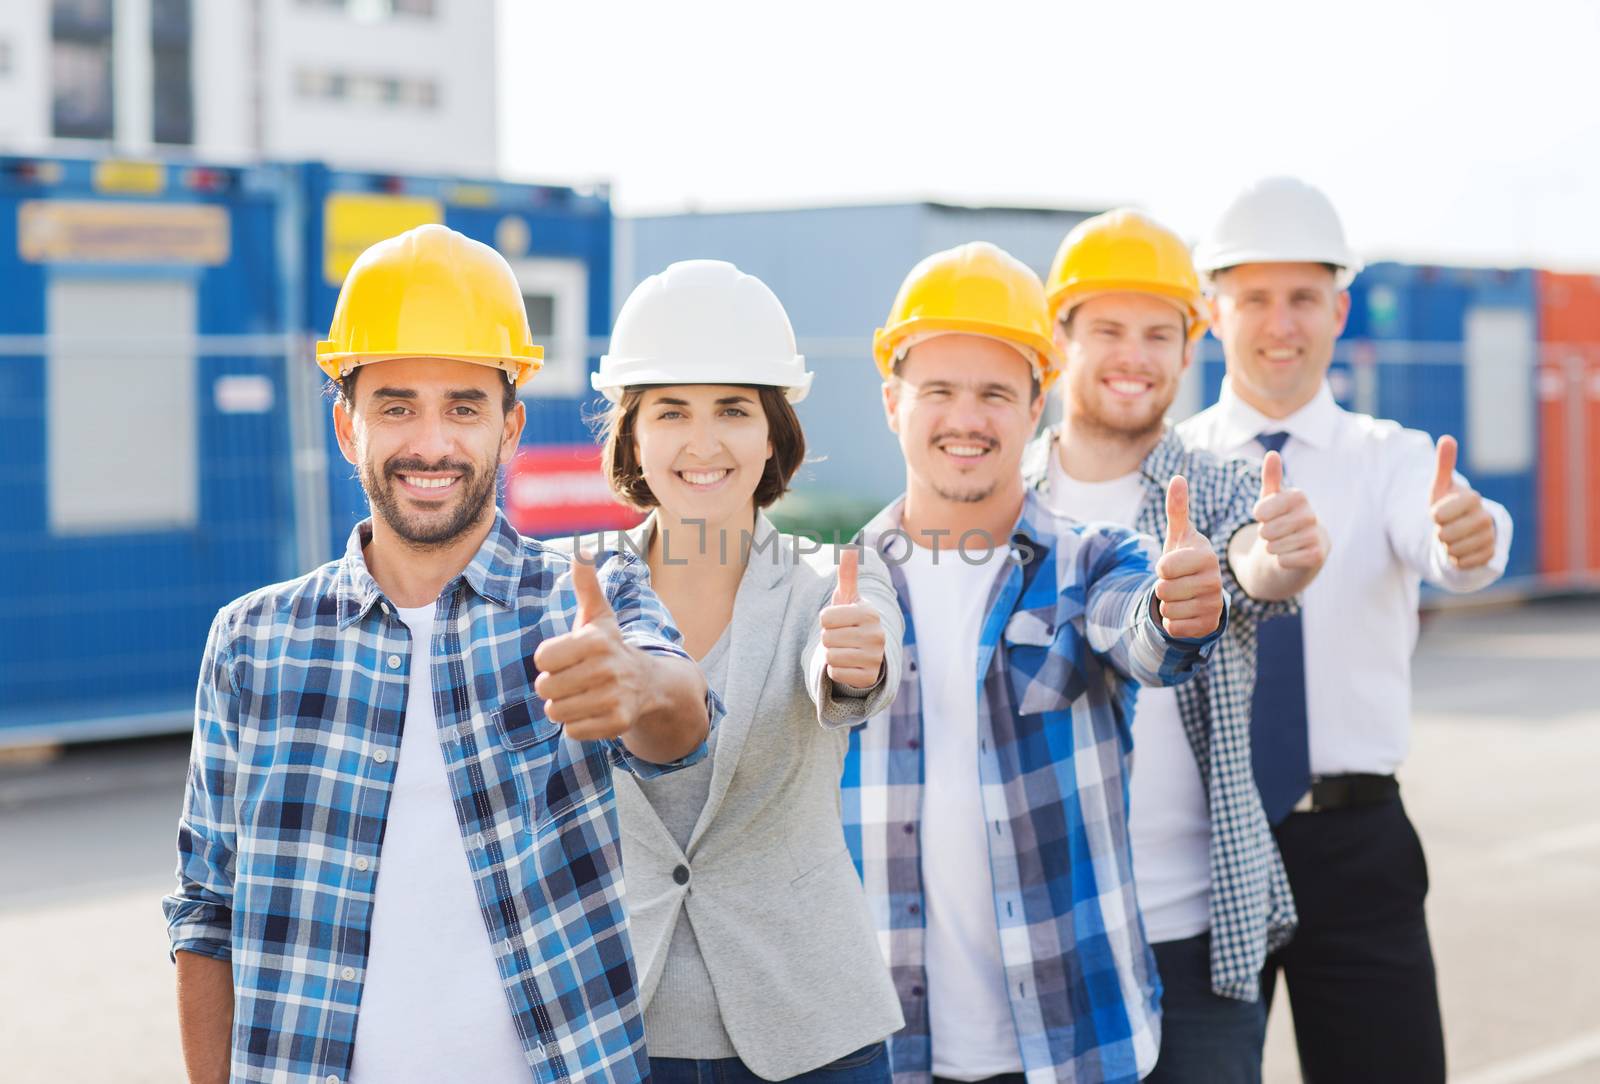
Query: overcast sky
(1465, 132)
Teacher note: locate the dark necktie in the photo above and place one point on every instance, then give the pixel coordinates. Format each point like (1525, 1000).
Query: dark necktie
(1280, 750)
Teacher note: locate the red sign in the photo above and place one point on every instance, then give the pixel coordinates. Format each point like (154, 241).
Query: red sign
(559, 490)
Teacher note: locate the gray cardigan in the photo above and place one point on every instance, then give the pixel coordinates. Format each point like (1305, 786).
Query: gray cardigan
(770, 890)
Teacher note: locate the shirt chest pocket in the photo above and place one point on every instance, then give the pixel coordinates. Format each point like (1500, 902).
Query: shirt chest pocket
(552, 773)
(1041, 648)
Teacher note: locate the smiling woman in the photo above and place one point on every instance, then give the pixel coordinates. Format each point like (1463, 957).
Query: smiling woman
(701, 431)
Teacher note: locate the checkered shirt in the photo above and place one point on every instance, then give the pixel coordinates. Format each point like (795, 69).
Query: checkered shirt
(301, 699)
(1067, 632)
(1252, 910)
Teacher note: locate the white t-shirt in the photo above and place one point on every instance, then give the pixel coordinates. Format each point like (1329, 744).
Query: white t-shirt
(969, 1009)
(1170, 821)
(432, 1005)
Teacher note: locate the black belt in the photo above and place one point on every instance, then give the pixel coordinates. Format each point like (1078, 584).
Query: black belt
(1343, 791)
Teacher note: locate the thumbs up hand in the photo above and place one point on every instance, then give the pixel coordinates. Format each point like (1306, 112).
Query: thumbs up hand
(1188, 578)
(592, 681)
(1288, 530)
(1461, 522)
(852, 634)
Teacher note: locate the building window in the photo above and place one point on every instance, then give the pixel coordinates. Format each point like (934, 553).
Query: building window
(173, 85)
(373, 10)
(387, 91)
(80, 69)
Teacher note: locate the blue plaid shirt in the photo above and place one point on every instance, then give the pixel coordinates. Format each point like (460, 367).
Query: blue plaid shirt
(301, 699)
(1067, 633)
(1252, 909)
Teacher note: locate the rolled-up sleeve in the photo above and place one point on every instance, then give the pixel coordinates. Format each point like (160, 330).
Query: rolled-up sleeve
(646, 625)
(200, 911)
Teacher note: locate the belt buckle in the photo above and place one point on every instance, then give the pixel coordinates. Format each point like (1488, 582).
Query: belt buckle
(1307, 803)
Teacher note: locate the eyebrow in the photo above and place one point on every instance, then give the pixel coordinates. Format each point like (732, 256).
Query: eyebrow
(666, 400)
(477, 395)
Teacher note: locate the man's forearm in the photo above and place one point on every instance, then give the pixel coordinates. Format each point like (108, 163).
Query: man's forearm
(1259, 574)
(673, 722)
(205, 1016)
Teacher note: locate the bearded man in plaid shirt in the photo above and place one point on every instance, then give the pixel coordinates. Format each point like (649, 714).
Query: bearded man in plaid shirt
(399, 810)
(988, 810)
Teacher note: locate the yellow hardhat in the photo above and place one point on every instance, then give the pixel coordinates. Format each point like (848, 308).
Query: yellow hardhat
(433, 293)
(1124, 251)
(975, 289)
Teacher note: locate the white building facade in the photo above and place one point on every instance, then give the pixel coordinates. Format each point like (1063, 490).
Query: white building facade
(371, 84)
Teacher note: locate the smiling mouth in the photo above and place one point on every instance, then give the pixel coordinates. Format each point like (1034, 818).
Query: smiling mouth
(1281, 356)
(705, 479)
(430, 488)
(1126, 387)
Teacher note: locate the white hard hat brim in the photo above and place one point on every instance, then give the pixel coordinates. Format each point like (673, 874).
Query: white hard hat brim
(620, 376)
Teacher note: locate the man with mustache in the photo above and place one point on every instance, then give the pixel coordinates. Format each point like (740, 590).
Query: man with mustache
(986, 809)
(1127, 313)
(1331, 708)
(399, 810)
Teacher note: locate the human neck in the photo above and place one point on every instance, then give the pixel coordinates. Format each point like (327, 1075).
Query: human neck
(1276, 409)
(411, 575)
(694, 547)
(936, 522)
(1091, 453)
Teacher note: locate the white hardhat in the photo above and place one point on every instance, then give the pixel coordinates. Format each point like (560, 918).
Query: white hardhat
(1278, 220)
(702, 322)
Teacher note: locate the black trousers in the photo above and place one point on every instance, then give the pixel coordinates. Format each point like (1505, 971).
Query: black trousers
(1360, 968)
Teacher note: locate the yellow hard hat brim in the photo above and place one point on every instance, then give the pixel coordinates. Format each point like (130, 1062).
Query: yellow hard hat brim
(885, 342)
(337, 365)
(1194, 307)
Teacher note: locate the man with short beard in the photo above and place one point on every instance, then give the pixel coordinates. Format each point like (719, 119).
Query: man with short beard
(1128, 312)
(986, 809)
(399, 809)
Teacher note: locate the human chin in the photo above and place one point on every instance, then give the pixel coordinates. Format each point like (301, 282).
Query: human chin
(430, 521)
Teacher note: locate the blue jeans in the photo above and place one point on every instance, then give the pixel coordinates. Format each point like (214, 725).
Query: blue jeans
(1205, 1039)
(869, 1065)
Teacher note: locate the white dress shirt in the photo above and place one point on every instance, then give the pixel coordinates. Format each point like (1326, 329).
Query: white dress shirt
(1369, 481)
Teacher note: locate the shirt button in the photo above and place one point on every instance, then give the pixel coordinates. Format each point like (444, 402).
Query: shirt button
(916, 991)
(681, 875)
(477, 840)
(914, 909)
(908, 829)
(381, 756)
(913, 743)
(394, 662)
(384, 606)
(362, 864)
(451, 734)
(347, 974)
(331, 1078)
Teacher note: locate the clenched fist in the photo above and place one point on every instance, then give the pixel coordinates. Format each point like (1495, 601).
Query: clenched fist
(592, 682)
(1288, 525)
(1188, 578)
(1460, 520)
(852, 634)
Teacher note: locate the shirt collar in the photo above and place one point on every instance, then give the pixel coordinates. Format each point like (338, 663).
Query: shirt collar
(769, 560)
(492, 572)
(886, 534)
(1167, 458)
(1315, 423)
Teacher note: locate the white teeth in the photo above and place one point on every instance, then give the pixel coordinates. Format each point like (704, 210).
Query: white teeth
(966, 451)
(703, 477)
(428, 483)
(1280, 355)
(1128, 387)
